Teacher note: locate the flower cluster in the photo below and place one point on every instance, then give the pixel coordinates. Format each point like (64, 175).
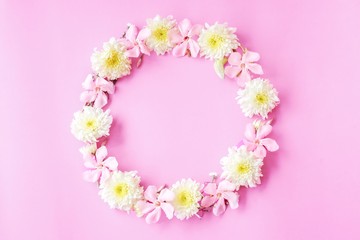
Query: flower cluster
(186, 198)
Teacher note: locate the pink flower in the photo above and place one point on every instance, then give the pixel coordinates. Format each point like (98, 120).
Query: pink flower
(99, 167)
(219, 196)
(183, 37)
(155, 201)
(255, 139)
(135, 41)
(241, 65)
(95, 90)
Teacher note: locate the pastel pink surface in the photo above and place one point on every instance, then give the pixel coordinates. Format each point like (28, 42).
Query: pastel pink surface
(175, 119)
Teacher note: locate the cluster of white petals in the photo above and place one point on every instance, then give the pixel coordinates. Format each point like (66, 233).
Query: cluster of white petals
(90, 124)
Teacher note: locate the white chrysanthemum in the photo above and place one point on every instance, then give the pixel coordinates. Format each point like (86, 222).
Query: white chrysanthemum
(241, 167)
(122, 190)
(111, 62)
(90, 124)
(159, 39)
(187, 197)
(217, 41)
(258, 97)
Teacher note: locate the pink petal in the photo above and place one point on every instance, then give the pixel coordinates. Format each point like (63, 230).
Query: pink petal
(219, 207)
(105, 174)
(260, 151)
(133, 52)
(91, 175)
(143, 34)
(180, 50)
(143, 207)
(263, 131)
(184, 27)
(101, 100)
(232, 198)
(244, 77)
(210, 188)
(144, 49)
(241, 142)
(131, 33)
(154, 216)
(232, 71)
(251, 56)
(250, 132)
(126, 43)
(255, 68)
(251, 146)
(195, 30)
(105, 85)
(166, 195)
(111, 163)
(194, 48)
(88, 96)
(88, 84)
(168, 210)
(90, 162)
(226, 186)
(175, 36)
(235, 59)
(101, 153)
(208, 201)
(150, 194)
(270, 144)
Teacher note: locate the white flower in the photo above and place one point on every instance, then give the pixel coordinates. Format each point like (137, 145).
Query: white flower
(258, 97)
(90, 124)
(122, 190)
(187, 197)
(217, 41)
(159, 39)
(111, 62)
(241, 167)
(88, 149)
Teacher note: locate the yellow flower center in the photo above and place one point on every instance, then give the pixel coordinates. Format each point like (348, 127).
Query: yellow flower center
(160, 34)
(184, 198)
(90, 124)
(261, 98)
(113, 60)
(243, 168)
(121, 190)
(215, 41)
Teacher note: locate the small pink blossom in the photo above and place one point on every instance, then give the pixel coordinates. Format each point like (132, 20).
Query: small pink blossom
(99, 166)
(135, 41)
(255, 139)
(184, 39)
(95, 90)
(219, 195)
(155, 201)
(240, 65)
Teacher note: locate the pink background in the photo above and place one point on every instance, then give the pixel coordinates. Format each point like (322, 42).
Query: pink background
(175, 119)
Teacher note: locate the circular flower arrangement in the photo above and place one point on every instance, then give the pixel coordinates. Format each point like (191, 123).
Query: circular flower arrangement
(185, 198)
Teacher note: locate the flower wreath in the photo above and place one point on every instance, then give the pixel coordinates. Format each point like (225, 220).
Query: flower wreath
(185, 198)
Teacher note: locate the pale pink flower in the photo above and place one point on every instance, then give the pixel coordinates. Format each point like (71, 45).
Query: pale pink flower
(255, 140)
(240, 65)
(135, 41)
(219, 196)
(99, 166)
(95, 90)
(156, 200)
(183, 37)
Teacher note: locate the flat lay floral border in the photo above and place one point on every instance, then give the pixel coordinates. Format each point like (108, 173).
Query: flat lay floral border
(186, 198)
